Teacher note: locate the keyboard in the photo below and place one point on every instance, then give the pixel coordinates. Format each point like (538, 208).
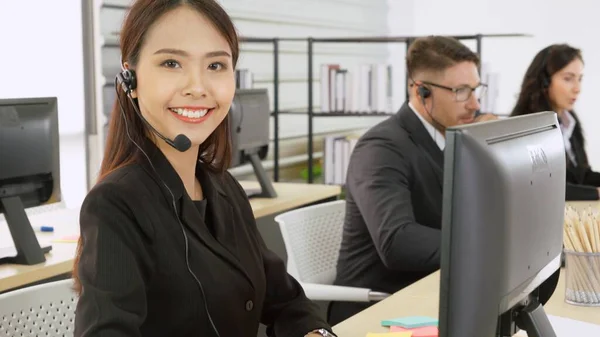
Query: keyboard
(7, 251)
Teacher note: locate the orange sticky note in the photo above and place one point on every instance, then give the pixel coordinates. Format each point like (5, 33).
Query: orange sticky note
(391, 334)
(426, 331)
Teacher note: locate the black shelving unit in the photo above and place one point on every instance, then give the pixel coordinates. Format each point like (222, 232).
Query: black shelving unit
(375, 39)
(311, 114)
(275, 112)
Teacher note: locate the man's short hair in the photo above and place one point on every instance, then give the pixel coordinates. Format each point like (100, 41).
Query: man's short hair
(436, 54)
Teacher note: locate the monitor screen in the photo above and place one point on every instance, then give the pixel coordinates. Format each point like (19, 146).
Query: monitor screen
(29, 170)
(503, 212)
(250, 119)
(29, 150)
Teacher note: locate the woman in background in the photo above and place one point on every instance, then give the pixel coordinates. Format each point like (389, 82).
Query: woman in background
(553, 82)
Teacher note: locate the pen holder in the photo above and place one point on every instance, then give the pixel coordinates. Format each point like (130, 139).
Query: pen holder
(582, 272)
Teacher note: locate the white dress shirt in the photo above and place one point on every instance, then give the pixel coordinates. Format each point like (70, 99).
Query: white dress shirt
(436, 135)
(567, 126)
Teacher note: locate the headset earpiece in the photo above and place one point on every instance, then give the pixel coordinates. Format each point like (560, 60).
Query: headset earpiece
(423, 92)
(544, 74)
(545, 81)
(127, 79)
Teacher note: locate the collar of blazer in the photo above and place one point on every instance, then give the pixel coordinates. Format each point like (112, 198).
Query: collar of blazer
(211, 183)
(407, 120)
(219, 203)
(411, 123)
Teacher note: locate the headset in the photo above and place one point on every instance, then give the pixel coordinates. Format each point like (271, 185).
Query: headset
(544, 73)
(423, 92)
(128, 82)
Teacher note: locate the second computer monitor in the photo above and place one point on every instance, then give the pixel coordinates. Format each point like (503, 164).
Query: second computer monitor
(29, 169)
(503, 213)
(249, 118)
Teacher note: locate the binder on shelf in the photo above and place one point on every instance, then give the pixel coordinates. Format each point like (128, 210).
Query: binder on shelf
(492, 79)
(337, 151)
(360, 89)
(244, 79)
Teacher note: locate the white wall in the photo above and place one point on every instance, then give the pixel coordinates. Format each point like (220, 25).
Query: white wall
(48, 61)
(33, 65)
(549, 21)
(303, 18)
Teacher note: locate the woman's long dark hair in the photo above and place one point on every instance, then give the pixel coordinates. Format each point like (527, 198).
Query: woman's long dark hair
(534, 89)
(215, 152)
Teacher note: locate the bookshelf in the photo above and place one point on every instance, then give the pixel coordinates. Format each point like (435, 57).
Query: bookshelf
(101, 62)
(312, 113)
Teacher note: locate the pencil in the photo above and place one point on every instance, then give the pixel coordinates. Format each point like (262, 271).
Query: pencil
(581, 238)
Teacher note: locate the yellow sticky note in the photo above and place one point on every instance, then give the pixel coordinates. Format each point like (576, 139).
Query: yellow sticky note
(391, 334)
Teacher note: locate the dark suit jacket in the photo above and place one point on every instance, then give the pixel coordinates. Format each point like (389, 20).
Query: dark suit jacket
(133, 264)
(392, 230)
(391, 235)
(582, 182)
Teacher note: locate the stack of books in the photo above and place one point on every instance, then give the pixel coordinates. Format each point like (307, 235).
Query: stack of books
(336, 155)
(365, 88)
(244, 79)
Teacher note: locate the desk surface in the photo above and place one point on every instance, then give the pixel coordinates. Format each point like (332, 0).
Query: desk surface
(60, 260)
(422, 299)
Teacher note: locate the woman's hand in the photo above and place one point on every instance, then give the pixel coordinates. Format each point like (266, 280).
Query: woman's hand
(485, 117)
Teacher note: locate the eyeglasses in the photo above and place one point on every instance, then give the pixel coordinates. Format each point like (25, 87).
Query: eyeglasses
(463, 93)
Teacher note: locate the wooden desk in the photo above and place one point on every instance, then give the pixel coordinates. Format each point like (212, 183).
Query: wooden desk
(60, 259)
(422, 298)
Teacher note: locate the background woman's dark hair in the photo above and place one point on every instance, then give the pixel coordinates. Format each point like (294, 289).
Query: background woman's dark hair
(534, 89)
(215, 152)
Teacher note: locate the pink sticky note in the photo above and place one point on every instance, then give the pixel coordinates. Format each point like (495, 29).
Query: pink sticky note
(426, 331)
(67, 239)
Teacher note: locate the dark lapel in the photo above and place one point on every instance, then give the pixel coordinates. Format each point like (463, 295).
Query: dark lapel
(218, 206)
(421, 137)
(580, 158)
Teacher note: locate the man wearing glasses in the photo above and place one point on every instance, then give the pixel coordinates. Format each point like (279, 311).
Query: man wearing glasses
(392, 234)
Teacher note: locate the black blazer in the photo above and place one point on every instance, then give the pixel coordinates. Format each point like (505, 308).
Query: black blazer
(392, 229)
(391, 235)
(582, 182)
(133, 266)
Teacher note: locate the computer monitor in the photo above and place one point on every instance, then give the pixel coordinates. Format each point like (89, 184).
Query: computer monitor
(249, 117)
(29, 169)
(502, 225)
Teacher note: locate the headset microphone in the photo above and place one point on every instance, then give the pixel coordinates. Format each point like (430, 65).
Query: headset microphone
(181, 142)
(128, 83)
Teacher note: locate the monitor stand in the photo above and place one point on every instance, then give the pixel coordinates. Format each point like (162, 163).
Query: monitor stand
(531, 317)
(26, 243)
(266, 186)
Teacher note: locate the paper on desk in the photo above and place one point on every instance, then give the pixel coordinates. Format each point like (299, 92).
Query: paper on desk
(566, 327)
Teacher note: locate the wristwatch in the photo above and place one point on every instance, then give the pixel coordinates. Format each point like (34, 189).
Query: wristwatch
(323, 332)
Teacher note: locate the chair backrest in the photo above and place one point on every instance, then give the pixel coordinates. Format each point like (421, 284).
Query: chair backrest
(42, 310)
(312, 237)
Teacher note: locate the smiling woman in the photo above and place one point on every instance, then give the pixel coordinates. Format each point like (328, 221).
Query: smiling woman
(169, 244)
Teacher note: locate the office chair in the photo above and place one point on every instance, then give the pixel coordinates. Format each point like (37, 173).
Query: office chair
(42, 310)
(312, 236)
